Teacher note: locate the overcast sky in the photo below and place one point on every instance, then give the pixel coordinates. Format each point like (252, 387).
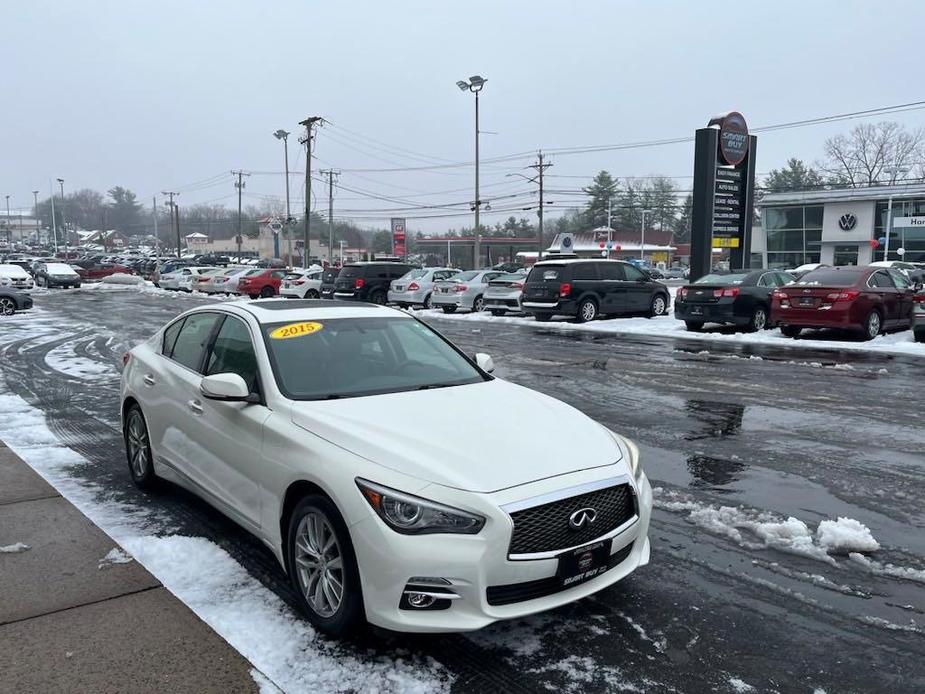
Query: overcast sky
(161, 95)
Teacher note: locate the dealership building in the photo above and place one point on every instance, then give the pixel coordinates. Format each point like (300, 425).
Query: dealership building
(840, 227)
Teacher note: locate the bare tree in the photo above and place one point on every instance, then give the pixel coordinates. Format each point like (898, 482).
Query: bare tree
(881, 153)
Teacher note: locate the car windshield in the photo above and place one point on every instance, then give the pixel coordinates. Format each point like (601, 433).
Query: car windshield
(59, 267)
(353, 357)
(828, 278)
(350, 271)
(510, 277)
(415, 274)
(329, 276)
(722, 279)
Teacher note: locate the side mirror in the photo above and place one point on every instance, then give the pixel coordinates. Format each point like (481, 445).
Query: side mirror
(227, 386)
(485, 362)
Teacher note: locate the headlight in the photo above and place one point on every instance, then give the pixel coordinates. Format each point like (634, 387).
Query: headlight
(412, 515)
(633, 451)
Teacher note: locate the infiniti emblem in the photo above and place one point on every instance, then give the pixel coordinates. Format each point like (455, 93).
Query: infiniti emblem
(582, 517)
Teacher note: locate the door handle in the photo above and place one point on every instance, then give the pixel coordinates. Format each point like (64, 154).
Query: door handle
(149, 380)
(195, 406)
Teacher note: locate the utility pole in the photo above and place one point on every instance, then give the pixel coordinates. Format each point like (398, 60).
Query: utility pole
(63, 220)
(540, 167)
(331, 174)
(38, 225)
(176, 216)
(9, 224)
(309, 124)
(284, 136)
(642, 238)
(239, 184)
(609, 227)
(157, 240)
(54, 219)
(170, 206)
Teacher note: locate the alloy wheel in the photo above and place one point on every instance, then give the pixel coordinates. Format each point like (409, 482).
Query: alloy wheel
(588, 311)
(7, 306)
(138, 445)
(478, 304)
(319, 564)
(658, 305)
(760, 320)
(873, 325)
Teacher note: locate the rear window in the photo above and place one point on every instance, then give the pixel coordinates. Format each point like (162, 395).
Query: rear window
(415, 274)
(349, 271)
(722, 279)
(465, 276)
(329, 276)
(545, 273)
(510, 277)
(827, 277)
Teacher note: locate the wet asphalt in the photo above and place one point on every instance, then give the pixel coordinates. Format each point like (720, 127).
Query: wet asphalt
(784, 432)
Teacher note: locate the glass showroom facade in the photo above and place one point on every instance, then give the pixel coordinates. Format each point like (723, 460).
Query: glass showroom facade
(794, 235)
(907, 238)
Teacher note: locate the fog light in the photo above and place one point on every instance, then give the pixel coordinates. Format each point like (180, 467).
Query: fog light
(420, 600)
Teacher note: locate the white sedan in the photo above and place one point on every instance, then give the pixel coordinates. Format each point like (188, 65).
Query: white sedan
(293, 421)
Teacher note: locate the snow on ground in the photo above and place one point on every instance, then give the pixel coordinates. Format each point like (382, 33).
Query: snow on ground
(146, 287)
(668, 326)
(759, 529)
(290, 655)
(115, 556)
(739, 686)
(63, 360)
(14, 548)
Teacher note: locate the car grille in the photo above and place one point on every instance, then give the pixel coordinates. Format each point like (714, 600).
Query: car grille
(545, 528)
(540, 588)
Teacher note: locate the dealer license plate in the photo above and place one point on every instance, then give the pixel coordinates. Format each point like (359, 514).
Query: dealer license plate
(807, 301)
(696, 310)
(582, 564)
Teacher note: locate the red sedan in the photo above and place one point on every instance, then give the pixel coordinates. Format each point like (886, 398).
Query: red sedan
(870, 300)
(263, 284)
(98, 271)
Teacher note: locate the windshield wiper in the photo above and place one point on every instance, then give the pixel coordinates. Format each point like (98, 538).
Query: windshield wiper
(432, 386)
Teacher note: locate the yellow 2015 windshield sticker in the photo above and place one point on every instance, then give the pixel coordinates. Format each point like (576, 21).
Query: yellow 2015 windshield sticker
(295, 330)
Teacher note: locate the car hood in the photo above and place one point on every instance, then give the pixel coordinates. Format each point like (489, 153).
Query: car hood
(482, 437)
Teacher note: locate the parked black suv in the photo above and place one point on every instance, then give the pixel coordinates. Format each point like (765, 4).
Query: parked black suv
(368, 281)
(587, 289)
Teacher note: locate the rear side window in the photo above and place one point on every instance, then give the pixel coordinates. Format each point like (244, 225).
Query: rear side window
(351, 271)
(611, 271)
(191, 342)
(170, 336)
(585, 271)
(881, 279)
(900, 279)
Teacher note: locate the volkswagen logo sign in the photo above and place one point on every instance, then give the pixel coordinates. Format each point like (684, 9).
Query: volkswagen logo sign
(567, 242)
(847, 222)
(581, 518)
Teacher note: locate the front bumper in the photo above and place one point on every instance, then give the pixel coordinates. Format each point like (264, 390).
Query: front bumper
(472, 564)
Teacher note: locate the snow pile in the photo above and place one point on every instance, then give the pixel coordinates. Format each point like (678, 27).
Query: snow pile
(115, 556)
(122, 278)
(877, 567)
(14, 548)
(760, 529)
(739, 686)
(844, 536)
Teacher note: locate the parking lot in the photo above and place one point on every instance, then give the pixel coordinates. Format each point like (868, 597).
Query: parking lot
(749, 444)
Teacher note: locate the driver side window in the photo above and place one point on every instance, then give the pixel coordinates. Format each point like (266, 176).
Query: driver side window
(233, 352)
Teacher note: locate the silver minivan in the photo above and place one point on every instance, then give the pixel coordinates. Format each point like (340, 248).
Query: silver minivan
(416, 287)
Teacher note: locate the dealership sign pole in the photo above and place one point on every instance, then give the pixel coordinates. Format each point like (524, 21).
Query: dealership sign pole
(399, 247)
(724, 183)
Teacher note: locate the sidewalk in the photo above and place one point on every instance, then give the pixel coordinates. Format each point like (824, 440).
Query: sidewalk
(70, 621)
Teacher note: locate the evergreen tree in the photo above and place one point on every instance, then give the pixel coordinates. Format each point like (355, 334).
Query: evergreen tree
(794, 176)
(681, 228)
(124, 212)
(602, 191)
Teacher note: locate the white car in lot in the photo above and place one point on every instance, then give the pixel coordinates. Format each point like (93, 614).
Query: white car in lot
(416, 287)
(303, 283)
(226, 281)
(16, 277)
(292, 419)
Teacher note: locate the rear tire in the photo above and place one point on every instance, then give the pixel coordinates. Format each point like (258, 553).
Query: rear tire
(377, 298)
(693, 326)
(497, 313)
(449, 309)
(541, 317)
(316, 572)
(587, 311)
(758, 321)
(312, 294)
(478, 304)
(426, 304)
(138, 449)
(267, 292)
(873, 326)
(791, 330)
(7, 306)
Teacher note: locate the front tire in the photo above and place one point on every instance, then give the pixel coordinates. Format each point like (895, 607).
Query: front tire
(7, 306)
(267, 292)
(426, 304)
(587, 311)
(542, 317)
(658, 307)
(138, 449)
(790, 330)
(693, 326)
(449, 308)
(497, 313)
(323, 567)
(377, 298)
(478, 304)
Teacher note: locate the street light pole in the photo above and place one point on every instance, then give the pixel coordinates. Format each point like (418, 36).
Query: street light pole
(642, 239)
(38, 225)
(475, 85)
(9, 228)
(284, 136)
(63, 219)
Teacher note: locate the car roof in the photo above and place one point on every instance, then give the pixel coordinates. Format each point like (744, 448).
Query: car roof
(291, 310)
(572, 261)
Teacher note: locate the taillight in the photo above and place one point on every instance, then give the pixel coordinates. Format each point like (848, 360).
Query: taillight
(682, 292)
(780, 295)
(849, 295)
(299, 282)
(460, 287)
(919, 298)
(125, 358)
(517, 285)
(564, 290)
(731, 292)
(413, 287)
(717, 293)
(358, 284)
